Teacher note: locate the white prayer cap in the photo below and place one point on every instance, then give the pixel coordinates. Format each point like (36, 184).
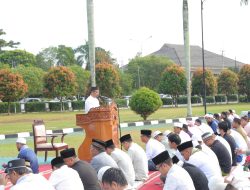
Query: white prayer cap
(233, 111)
(178, 124)
(21, 140)
(155, 133)
(101, 172)
(208, 115)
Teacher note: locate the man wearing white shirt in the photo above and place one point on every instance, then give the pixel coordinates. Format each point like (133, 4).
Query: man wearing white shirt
(21, 178)
(138, 157)
(92, 101)
(153, 147)
(176, 177)
(178, 130)
(63, 177)
(122, 160)
(200, 159)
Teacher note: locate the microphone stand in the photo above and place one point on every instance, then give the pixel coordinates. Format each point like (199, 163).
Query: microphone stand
(119, 124)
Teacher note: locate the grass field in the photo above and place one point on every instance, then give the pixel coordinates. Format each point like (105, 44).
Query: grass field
(14, 123)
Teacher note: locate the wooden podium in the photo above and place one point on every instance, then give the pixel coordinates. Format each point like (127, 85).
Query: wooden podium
(99, 123)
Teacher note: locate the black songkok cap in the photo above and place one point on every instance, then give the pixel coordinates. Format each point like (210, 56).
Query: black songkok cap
(98, 143)
(175, 160)
(125, 138)
(185, 145)
(109, 143)
(56, 161)
(162, 157)
(146, 132)
(93, 88)
(67, 153)
(17, 163)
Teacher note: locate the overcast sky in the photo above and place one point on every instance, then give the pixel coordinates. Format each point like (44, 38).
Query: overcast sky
(124, 26)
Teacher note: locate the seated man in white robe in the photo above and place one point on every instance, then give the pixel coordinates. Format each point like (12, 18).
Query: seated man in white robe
(138, 157)
(176, 177)
(178, 130)
(153, 147)
(123, 161)
(63, 177)
(199, 159)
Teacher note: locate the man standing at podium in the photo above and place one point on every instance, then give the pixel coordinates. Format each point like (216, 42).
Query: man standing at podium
(92, 101)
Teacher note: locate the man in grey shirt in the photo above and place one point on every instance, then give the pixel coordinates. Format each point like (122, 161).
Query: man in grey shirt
(100, 157)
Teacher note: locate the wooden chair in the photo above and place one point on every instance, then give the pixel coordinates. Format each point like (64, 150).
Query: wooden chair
(40, 139)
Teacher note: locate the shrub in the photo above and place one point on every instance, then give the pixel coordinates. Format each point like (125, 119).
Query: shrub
(167, 101)
(182, 100)
(196, 99)
(209, 99)
(243, 98)
(56, 106)
(145, 102)
(78, 105)
(121, 102)
(220, 98)
(4, 107)
(232, 98)
(35, 107)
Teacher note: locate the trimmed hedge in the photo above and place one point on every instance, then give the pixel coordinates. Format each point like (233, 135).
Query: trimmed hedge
(196, 99)
(243, 98)
(220, 98)
(4, 107)
(182, 100)
(210, 99)
(56, 106)
(78, 105)
(232, 98)
(35, 107)
(121, 102)
(167, 101)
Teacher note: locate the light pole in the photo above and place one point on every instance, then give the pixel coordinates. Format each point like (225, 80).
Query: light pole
(203, 61)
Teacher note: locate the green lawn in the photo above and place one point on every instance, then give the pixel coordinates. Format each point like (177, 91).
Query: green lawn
(14, 123)
(8, 146)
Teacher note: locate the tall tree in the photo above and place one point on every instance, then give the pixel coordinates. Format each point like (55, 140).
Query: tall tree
(33, 77)
(173, 82)
(126, 82)
(101, 56)
(59, 82)
(47, 58)
(65, 56)
(210, 82)
(108, 80)
(91, 39)
(17, 57)
(228, 82)
(12, 86)
(187, 54)
(147, 71)
(82, 79)
(4, 43)
(244, 80)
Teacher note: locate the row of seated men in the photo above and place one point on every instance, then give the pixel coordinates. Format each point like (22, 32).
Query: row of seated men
(219, 152)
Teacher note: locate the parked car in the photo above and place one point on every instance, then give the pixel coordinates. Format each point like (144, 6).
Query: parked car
(25, 100)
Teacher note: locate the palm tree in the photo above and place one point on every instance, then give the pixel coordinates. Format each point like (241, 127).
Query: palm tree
(187, 54)
(91, 39)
